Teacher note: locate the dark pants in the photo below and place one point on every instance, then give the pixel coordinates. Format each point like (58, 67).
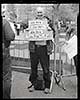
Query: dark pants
(7, 86)
(6, 75)
(41, 55)
(75, 62)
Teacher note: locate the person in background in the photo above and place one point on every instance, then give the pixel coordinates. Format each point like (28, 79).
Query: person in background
(18, 28)
(40, 51)
(71, 31)
(7, 36)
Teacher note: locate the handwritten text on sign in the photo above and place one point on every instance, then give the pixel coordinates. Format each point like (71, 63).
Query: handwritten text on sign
(71, 48)
(38, 31)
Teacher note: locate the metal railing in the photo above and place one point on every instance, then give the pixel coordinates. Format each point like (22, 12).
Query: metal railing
(19, 49)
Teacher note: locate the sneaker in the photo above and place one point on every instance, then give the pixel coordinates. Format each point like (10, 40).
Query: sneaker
(46, 91)
(31, 89)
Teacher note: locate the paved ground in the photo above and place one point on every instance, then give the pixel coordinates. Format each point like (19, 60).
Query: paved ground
(20, 83)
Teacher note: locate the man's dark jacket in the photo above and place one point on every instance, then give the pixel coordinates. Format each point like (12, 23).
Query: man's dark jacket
(7, 36)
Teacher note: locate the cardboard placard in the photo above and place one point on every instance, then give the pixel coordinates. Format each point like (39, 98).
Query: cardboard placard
(71, 48)
(38, 31)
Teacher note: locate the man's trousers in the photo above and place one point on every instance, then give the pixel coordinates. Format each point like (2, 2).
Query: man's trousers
(7, 75)
(41, 55)
(7, 86)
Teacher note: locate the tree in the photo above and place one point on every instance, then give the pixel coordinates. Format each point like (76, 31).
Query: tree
(67, 11)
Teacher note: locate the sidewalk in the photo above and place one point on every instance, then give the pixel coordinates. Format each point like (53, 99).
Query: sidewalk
(20, 83)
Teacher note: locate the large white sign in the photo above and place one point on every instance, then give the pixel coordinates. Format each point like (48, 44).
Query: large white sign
(71, 48)
(38, 31)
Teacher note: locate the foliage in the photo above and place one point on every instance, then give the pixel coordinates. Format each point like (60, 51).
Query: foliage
(28, 11)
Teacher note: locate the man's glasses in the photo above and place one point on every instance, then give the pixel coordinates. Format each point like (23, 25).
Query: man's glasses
(39, 12)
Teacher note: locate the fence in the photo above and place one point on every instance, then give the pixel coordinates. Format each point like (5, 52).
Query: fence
(21, 59)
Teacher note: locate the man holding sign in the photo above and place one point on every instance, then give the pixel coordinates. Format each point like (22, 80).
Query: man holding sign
(40, 47)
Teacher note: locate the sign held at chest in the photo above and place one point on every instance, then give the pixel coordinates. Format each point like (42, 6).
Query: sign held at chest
(38, 31)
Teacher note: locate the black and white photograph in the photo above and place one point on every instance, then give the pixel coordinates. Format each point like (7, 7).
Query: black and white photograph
(39, 49)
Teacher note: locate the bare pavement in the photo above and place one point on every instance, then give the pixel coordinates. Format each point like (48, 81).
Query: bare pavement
(20, 82)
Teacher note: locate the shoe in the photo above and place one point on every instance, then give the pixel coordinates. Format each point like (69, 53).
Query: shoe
(46, 91)
(31, 89)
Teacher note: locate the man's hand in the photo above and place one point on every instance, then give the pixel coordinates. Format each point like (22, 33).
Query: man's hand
(48, 28)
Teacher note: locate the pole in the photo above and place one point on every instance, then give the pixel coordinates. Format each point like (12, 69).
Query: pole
(54, 66)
